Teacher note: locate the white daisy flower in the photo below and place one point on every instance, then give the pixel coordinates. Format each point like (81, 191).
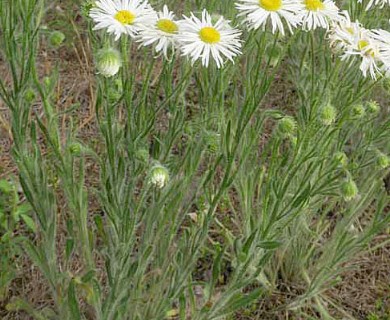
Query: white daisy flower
(162, 31)
(370, 59)
(379, 3)
(318, 13)
(356, 41)
(383, 41)
(345, 33)
(122, 16)
(258, 12)
(201, 39)
(366, 48)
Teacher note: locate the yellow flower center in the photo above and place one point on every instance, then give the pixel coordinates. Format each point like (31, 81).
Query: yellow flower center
(314, 5)
(350, 30)
(125, 17)
(209, 35)
(167, 26)
(270, 5)
(362, 44)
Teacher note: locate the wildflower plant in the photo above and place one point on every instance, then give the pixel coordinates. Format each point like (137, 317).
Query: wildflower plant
(193, 161)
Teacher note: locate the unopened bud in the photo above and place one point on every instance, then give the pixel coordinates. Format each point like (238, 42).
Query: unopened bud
(108, 62)
(358, 111)
(142, 155)
(56, 39)
(328, 115)
(47, 81)
(383, 160)
(373, 107)
(30, 95)
(287, 126)
(349, 190)
(341, 158)
(76, 149)
(159, 176)
(212, 140)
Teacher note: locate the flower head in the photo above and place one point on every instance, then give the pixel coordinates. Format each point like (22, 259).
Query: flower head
(373, 107)
(349, 190)
(287, 126)
(108, 62)
(76, 149)
(328, 115)
(203, 39)
(319, 14)
(345, 33)
(341, 158)
(382, 39)
(212, 140)
(142, 154)
(382, 160)
(122, 16)
(161, 32)
(258, 12)
(358, 111)
(56, 38)
(30, 95)
(159, 176)
(356, 41)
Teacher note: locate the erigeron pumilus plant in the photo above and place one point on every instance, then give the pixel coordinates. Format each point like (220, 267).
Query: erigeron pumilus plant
(196, 170)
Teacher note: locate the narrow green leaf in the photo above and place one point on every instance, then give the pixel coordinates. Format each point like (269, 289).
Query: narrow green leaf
(69, 246)
(269, 245)
(72, 302)
(29, 222)
(24, 208)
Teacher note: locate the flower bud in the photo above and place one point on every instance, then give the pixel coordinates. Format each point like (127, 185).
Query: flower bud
(212, 140)
(76, 149)
(341, 158)
(383, 160)
(30, 95)
(159, 176)
(328, 115)
(47, 81)
(142, 155)
(108, 62)
(287, 126)
(373, 107)
(349, 190)
(56, 39)
(354, 165)
(358, 111)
